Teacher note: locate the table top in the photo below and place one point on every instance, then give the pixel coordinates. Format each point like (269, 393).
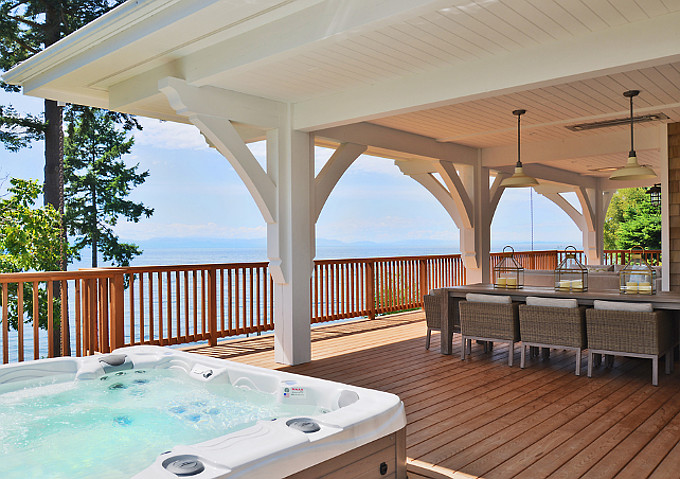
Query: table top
(669, 301)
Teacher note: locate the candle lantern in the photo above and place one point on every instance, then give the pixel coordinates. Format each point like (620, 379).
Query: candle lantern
(637, 277)
(570, 274)
(508, 273)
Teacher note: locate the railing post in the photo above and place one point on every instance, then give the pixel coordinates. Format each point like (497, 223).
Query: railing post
(91, 312)
(212, 306)
(370, 289)
(117, 311)
(423, 279)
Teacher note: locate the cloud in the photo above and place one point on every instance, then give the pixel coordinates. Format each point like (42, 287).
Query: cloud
(169, 135)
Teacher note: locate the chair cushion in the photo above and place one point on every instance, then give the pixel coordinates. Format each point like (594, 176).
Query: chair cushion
(621, 306)
(552, 302)
(487, 298)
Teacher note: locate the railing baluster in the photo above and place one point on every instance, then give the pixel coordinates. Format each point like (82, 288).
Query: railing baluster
(20, 321)
(65, 333)
(36, 321)
(5, 323)
(78, 317)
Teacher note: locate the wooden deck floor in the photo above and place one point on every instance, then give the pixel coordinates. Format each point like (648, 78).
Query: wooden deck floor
(480, 418)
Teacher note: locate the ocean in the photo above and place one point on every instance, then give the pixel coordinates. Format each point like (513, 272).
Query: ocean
(160, 256)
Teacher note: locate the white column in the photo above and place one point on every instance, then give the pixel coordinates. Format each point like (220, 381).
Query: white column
(291, 241)
(475, 242)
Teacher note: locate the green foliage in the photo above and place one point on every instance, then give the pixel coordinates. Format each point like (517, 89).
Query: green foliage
(632, 221)
(29, 241)
(18, 131)
(98, 183)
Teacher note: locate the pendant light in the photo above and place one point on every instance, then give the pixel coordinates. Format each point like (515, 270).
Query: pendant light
(632, 170)
(518, 178)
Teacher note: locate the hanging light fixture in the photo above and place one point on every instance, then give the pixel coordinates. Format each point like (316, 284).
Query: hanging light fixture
(632, 170)
(518, 178)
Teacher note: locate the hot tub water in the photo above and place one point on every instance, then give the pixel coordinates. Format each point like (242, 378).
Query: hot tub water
(117, 424)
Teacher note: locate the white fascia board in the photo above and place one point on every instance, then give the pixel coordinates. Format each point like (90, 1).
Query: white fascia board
(581, 146)
(89, 41)
(647, 43)
(390, 139)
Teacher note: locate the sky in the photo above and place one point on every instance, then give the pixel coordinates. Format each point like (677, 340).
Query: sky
(197, 194)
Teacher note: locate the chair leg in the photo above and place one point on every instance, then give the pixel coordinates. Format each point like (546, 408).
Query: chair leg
(427, 341)
(669, 361)
(511, 353)
(469, 346)
(578, 362)
(521, 356)
(590, 364)
(655, 371)
(462, 349)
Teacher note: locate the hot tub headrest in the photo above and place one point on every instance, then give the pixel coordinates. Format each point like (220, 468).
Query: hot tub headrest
(115, 362)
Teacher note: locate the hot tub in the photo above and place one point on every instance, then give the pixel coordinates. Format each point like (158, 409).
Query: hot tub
(152, 412)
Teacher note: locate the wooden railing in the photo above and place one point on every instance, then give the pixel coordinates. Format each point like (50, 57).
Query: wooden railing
(350, 288)
(531, 259)
(622, 256)
(103, 309)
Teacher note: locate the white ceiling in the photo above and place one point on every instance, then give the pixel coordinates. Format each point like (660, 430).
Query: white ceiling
(315, 54)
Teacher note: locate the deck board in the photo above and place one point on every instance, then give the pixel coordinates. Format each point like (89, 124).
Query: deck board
(479, 418)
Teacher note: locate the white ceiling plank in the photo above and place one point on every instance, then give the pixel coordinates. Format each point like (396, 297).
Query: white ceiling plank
(607, 12)
(653, 8)
(657, 38)
(555, 11)
(630, 10)
(580, 10)
(295, 31)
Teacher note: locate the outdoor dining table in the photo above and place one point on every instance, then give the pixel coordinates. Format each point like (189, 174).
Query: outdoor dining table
(452, 295)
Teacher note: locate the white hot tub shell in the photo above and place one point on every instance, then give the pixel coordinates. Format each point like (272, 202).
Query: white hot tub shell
(361, 435)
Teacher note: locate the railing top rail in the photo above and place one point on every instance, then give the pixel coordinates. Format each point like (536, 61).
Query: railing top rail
(386, 258)
(56, 275)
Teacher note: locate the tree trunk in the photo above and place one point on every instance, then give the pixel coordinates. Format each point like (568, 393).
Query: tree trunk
(95, 242)
(53, 188)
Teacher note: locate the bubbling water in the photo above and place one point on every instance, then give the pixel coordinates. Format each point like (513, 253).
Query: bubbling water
(116, 425)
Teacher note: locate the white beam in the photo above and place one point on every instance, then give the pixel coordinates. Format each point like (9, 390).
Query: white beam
(331, 172)
(598, 53)
(458, 192)
(553, 174)
(216, 102)
(441, 194)
(495, 193)
(223, 136)
(391, 139)
(580, 146)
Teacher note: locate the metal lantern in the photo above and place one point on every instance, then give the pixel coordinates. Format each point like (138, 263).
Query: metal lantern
(637, 277)
(655, 194)
(508, 273)
(571, 275)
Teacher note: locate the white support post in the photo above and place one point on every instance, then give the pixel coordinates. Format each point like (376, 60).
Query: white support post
(291, 241)
(284, 194)
(475, 242)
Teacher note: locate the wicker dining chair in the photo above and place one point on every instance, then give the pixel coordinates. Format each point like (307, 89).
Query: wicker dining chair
(488, 318)
(630, 329)
(433, 315)
(552, 323)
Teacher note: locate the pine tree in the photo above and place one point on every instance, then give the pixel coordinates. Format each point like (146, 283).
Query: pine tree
(98, 183)
(26, 28)
(632, 221)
